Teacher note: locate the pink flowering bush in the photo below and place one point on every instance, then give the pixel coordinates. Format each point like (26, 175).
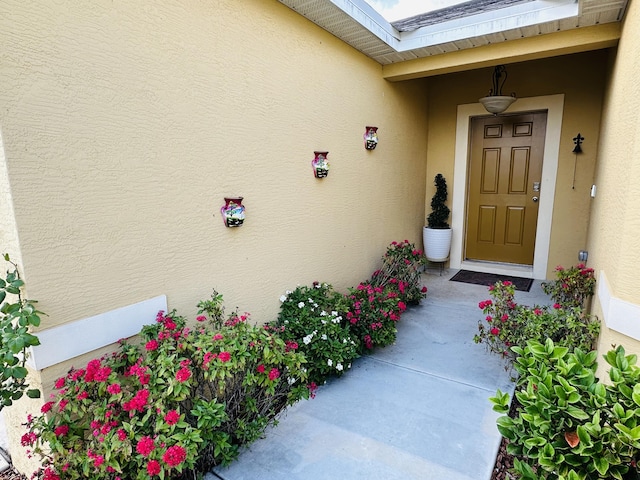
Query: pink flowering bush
(401, 266)
(573, 286)
(312, 319)
(180, 402)
(508, 325)
(372, 314)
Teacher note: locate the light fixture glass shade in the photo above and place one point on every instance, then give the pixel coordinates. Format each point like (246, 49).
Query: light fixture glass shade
(497, 103)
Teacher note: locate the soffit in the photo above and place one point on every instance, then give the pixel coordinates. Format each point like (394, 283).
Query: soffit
(488, 23)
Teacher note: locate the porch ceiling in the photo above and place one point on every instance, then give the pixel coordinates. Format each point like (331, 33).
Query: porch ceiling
(478, 34)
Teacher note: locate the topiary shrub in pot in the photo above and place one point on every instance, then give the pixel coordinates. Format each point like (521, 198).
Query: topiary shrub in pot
(437, 234)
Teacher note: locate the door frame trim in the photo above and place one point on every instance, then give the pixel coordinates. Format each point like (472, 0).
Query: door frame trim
(554, 104)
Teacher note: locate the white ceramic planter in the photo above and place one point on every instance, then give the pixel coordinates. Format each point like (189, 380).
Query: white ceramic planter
(437, 243)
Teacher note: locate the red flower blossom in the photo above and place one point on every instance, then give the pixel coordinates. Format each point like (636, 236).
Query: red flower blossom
(102, 374)
(82, 395)
(260, 368)
(145, 446)
(174, 455)
(218, 336)
(114, 389)
(424, 290)
(495, 331)
(172, 417)
(504, 318)
(537, 311)
(122, 435)
(49, 474)
(61, 430)
(59, 383)
(201, 318)
(28, 439)
(153, 468)
(138, 402)
(402, 306)
(224, 356)
(489, 318)
(274, 374)
(183, 374)
(98, 460)
(151, 345)
(557, 306)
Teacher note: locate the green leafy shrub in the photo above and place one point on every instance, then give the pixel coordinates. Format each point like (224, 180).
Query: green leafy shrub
(372, 315)
(178, 404)
(439, 216)
(507, 324)
(16, 320)
(312, 319)
(572, 287)
(570, 425)
(401, 266)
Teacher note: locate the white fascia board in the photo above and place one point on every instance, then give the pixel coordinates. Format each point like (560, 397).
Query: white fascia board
(369, 18)
(509, 18)
(70, 340)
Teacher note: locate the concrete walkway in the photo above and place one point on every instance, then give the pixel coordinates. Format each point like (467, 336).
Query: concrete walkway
(417, 409)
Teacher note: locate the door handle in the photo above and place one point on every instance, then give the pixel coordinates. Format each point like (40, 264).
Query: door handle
(535, 199)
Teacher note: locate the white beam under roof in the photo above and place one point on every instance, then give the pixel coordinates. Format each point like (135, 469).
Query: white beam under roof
(485, 23)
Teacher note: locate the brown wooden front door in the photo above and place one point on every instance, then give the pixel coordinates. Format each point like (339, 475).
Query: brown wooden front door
(505, 172)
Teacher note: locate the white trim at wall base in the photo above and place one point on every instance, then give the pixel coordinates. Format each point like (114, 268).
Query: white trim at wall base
(70, 340)
(554, 105)
(619, 315)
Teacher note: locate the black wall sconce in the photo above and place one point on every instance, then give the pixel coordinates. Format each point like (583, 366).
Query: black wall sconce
(577, 140)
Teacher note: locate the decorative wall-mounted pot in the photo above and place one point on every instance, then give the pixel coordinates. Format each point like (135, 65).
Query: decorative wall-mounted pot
(371, 138)
(232, 212)
(320, 164)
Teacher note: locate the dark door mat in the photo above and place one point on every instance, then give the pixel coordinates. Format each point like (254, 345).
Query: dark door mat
(487, 279)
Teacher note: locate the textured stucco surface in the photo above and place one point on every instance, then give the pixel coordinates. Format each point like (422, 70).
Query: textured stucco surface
(581, 78)
(9, 242)
(614, 236)
(126, 123)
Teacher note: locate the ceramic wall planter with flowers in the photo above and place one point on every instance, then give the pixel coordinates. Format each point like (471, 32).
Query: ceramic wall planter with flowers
(320, 164)
(371, 138)
(233, 212)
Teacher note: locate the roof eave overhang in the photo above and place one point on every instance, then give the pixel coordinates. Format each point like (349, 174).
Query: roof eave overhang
(524, 49)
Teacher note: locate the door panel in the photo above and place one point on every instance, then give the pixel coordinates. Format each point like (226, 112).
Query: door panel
(506, 159)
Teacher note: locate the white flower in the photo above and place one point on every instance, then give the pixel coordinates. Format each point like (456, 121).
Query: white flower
(301, 305)
(334, 313)
(330, 362)
(336, 320)
(323, 313)
(307, 340)
(324, 336)
(310, 300)
(339, 367)
(283, 298)
(288, 292)
(324, 322)
(344, 340)
(291, 380)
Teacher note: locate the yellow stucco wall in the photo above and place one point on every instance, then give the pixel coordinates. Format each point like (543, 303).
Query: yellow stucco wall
(580, 77)
(124, 125)
(614, 236)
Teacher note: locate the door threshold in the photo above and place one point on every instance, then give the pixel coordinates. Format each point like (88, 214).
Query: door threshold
(525, 271)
